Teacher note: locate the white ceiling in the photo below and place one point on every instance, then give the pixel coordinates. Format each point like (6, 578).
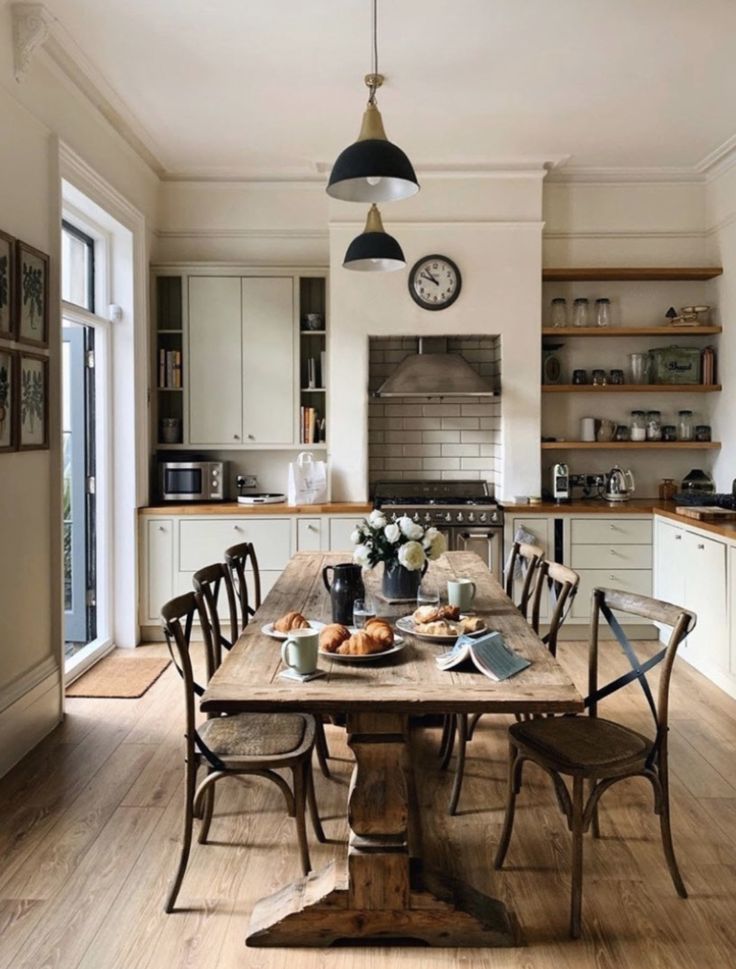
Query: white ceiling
(225, 87)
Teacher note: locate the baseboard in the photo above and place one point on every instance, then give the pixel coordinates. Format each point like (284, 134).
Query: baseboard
(29, 719)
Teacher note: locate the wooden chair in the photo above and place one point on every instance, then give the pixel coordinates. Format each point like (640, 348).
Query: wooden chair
(237, 558)
(602, 752)
(530, 556)
(207, 583)
(246, 743)
(562, 585)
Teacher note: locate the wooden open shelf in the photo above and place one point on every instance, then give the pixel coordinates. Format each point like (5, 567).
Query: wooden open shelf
(630, 388)
(631, 445)
(636, 273)
(626, 331)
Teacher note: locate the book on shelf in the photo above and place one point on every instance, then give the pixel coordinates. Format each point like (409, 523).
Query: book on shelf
(489, 654)
(312, 426)
(311, 372)
(169, 369)
(323, 369)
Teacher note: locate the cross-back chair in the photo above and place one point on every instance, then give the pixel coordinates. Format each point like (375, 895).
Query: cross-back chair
(603, 752)
(209, 583)
(528, 558)
(237, 559)
(246, 743)
(561, 583)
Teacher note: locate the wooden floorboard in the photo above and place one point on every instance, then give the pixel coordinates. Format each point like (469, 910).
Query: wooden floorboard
(90, 827)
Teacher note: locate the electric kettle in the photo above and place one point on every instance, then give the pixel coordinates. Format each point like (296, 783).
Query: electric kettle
(620, 484)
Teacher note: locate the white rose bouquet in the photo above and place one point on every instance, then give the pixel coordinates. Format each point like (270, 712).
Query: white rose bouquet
(400, 542)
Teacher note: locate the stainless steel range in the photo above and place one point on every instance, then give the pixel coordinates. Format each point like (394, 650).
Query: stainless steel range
(464, 511)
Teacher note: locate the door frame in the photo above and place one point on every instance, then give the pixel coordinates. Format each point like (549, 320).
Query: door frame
(103, 446)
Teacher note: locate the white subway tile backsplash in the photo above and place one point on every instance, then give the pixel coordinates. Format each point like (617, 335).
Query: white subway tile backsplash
(428, 439)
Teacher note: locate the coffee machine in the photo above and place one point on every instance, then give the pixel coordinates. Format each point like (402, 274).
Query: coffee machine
(560, 482)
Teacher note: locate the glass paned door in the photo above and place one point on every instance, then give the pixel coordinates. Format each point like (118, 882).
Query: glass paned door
(78, 487)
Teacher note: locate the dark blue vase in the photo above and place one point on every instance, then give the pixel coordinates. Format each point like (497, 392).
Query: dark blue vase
(400, 582)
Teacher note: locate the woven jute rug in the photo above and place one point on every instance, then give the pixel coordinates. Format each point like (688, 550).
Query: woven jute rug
(119, 676)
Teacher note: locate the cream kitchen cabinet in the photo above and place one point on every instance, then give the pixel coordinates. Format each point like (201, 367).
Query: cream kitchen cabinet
(340, 530)
(157, 580)
(309, 534)
(691, 571)
(240, 381)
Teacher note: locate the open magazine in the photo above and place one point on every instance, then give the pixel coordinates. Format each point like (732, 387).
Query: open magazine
(490, 655)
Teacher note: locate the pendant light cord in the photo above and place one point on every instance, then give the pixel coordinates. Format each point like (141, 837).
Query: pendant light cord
(372, 98)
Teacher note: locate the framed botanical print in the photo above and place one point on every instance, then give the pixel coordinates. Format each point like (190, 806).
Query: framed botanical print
(32, 402)
(32, 295)
(7, 285)
(8, 378)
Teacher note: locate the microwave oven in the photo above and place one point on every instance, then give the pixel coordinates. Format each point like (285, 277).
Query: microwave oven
(192, 480)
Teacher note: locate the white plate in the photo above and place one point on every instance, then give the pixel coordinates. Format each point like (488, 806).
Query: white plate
(406, 625)
(399, 644)
(268, 629)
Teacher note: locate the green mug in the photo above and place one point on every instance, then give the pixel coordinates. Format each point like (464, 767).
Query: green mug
(461, 593)
(300, 651)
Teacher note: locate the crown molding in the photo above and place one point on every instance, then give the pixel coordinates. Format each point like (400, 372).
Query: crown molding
(718, 161)
(287, 233)
(592, 175)
(30, 31)
(628, 234)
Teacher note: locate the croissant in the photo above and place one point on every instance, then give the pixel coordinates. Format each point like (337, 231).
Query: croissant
(292, 620)
(381, 631)
(437, 628)
(472, 624)
(449, 612)
(360, 644)
(425, 614)
(333, 636)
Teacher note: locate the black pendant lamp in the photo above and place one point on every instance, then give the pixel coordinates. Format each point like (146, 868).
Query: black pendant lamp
(372, 169)
(374, 250)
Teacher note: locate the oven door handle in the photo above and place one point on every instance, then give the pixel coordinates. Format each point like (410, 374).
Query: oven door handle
(468, 535)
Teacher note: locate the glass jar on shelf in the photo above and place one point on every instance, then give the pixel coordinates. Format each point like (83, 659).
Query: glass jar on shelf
(638, 426)
(603, 312)
(558, 312)
(654, 425)
(580, 312)
(685, 431)
(667, 489)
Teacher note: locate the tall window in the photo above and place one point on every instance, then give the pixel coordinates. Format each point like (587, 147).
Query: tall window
(77, 267)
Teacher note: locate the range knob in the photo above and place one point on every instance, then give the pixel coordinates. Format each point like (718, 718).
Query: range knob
(494, 516)
(448, 517)
(459, 516)
(416, 516)
(427, 517)
(471, 516)
(483, 516)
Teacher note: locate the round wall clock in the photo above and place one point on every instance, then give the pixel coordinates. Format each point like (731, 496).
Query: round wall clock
(434, 282)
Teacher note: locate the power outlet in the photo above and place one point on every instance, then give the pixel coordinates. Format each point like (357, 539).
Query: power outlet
(249, 481)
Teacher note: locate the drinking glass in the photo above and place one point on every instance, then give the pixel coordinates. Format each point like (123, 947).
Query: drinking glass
(428, 594)
(363, 612)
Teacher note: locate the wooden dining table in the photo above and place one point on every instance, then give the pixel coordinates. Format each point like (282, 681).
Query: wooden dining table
(386, 892)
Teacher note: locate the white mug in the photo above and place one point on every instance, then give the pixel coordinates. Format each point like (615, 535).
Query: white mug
(461, 593)
(587, 428)
(299, 652)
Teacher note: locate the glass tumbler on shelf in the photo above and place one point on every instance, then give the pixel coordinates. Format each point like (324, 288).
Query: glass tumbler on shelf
(559, 312)
(639, 368)
(638, 426)
(654, 425)
(580, 312)
(603, 312)
(685, 425)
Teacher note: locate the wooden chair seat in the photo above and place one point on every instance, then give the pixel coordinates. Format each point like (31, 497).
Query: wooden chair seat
(583, 746)
(255, 736)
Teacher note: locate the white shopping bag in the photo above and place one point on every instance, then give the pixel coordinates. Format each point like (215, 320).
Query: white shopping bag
(307, 481)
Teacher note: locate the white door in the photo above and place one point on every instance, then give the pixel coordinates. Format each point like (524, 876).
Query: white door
(706, 596)
(268, 360)
(159, 565)
(214, 360)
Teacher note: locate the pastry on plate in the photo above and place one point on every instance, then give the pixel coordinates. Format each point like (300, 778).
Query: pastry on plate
(360, 644)
(425, 614)
(292, 620)
(471, 624)
(381, 631)
(440, 627)
(333, 636)
(449, 612)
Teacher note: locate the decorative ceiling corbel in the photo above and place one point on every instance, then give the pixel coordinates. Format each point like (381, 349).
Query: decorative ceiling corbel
(30, 30)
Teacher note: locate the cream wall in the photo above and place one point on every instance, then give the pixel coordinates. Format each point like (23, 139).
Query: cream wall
(34, 116)
(491, 227)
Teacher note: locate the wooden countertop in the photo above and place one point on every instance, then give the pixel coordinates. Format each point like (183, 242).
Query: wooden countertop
(721, 529)
(228, 509)
(592, 506)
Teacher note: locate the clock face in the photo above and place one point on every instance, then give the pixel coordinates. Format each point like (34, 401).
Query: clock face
(434, 282)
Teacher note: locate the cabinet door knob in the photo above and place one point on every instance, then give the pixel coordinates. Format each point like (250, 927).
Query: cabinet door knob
(701, 546)
(162, 528)
(237, 528)
(312, 528)
(251, 438)
(678, 538)
(236, 437)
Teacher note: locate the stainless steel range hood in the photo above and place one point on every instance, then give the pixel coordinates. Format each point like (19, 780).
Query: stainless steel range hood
(434, 374)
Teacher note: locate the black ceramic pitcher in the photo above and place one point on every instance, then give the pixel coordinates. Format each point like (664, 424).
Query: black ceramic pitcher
(347, 586)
